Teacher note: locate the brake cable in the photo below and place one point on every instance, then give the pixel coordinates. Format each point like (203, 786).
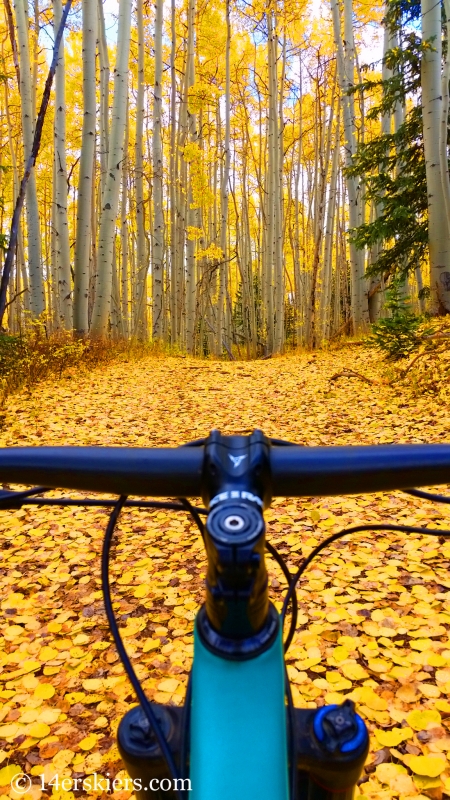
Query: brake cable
(322, 545)
(114, 628)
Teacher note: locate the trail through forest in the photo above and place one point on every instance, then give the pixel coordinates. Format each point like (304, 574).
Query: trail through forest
(374, 616)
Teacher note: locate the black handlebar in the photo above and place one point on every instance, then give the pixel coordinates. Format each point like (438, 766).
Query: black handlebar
(177, 472)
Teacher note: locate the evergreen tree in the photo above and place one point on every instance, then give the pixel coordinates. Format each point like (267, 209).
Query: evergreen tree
(393, 164)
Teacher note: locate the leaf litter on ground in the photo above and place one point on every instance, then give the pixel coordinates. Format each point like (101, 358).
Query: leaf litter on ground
(374, 616)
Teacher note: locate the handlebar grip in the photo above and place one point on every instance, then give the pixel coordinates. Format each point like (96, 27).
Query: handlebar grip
(320, 471)
(157, 472)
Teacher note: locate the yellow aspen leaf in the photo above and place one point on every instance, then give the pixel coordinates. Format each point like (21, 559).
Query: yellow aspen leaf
(77, 652)
(93, 762)
(372, 700)
(421, 644)
(387, 772)
(430, 766)
(44, 691)
(39, 729)
(54, 627)
(142, 590)
(168, 685)
(88, 742)
(30, 682)
(393, 737)
(101, 722)
(62, 759)
(401, 672)
(443, 705)
(442, 675)
(332, 698)
(92, 684)
(74, 697)
(9, 730)
(150, 644)
(379, 665)
(340, 653)
(435, 660)
(421, 720)
(429, 690)
(8, 773)
(407, 694)
(47, 653)
(80, 638)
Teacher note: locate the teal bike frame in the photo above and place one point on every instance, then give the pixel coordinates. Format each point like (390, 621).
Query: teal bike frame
(238, 717)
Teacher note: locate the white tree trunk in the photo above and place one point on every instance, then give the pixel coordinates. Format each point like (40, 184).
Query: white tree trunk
(443, 135)
(86, 174)
(345, 67)
(37, 296)
(158, 215)
(104, 94)
(140, 307)
(223, 269)
(110, 200)
(191, 284)
(60, 188)
(438, 230)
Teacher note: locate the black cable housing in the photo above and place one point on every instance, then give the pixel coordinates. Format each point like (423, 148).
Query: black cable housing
(356, 529)
(284, 568)
(140, 694)
(436, 498)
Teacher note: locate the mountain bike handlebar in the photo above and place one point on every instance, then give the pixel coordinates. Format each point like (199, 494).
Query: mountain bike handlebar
(296, 471)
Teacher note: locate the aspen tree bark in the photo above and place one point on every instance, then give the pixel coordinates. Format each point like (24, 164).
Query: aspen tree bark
(140, 286)
(223, 269)
(345, 68)
(438, 229)
(272, 144)
(60, 186)
(172, 181)
(325, 297)
(104, 95)
(86, 173)
(191, 287)
(443, 133)
(37, 296)
(158, 218)
(278, 196)
(124, 238)
(110, 200)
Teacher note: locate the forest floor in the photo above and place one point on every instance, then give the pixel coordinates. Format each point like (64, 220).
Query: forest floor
(374, 620)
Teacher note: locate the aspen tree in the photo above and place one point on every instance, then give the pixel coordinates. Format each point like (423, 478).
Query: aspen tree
(191, 287)
(345, 71)
(86, 172)
(110, 200)
(124, 237)
(140, 286)
(60, 184)
(37, 296)
(443, 133)
(223, 268)
(158, 218)
(104, 95)
(174, 328)
(325, 298)
(438, 229)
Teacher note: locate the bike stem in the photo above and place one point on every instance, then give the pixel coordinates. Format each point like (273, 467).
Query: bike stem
(237, 621)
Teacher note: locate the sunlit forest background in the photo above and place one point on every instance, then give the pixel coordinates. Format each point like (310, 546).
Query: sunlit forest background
(221, 176)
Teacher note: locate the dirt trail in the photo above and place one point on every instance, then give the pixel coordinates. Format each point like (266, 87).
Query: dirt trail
(374, 616)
